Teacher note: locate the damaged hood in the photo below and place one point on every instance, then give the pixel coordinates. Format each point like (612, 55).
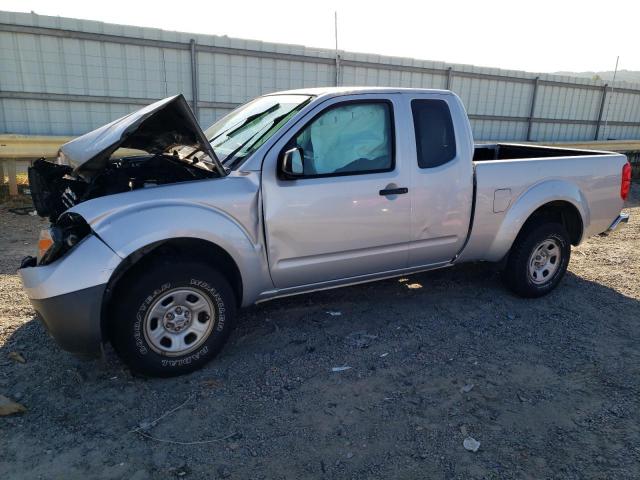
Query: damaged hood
(156, 128)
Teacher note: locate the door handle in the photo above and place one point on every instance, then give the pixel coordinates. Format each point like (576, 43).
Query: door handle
(394, 191)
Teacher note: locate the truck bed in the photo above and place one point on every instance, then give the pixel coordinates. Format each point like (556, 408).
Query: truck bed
(504, 173)
(513, 151)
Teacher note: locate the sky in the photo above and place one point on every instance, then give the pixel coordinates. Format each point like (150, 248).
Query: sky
(536, 35)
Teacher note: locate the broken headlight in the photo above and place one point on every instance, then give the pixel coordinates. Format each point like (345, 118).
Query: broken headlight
(61, 237)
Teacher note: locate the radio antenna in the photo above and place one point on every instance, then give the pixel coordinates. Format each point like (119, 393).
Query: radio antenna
(335, 30)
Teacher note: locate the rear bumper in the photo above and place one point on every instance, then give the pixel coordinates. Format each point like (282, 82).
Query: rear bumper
(622, 218)
(73, 319)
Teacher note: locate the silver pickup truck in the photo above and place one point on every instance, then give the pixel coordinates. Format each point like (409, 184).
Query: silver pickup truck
(292, 192)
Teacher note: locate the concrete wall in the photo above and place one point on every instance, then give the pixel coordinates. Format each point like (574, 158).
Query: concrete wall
(61, 76)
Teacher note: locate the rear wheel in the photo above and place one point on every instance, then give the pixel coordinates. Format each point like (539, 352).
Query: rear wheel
(171, 317)
(538, 259)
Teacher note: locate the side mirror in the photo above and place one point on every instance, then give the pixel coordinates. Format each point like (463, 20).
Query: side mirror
(292, 164)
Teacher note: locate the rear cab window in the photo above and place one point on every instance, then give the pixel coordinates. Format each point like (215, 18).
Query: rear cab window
(435, 137)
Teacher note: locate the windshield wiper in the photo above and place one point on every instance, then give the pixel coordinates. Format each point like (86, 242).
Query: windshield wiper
(227, 161)
(231, 130)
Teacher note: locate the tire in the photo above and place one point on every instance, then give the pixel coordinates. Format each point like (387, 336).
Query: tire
(171, 317)
(538, 259)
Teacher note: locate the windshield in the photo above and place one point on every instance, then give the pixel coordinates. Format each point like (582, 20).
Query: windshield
(240, 133)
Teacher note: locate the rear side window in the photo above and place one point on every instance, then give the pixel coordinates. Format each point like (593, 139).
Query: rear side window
(435, 140)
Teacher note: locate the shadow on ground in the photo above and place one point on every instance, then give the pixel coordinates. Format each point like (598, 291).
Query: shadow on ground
(548, 387)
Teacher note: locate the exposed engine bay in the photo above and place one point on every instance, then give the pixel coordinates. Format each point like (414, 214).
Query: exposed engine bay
(176, 151)
(56, 188)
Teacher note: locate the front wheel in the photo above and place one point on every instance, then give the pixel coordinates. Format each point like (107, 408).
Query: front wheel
(171, 317)
(538, 259)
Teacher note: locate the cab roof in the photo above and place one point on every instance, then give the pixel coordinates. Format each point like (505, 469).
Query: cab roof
(336, 91)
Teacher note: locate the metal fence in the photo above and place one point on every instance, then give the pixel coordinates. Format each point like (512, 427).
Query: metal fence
(61, 76)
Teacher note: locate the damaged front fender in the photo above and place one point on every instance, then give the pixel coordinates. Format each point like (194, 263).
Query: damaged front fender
(223, 211)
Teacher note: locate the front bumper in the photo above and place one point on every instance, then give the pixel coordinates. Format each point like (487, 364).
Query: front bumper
(73, 319)
(68, 293)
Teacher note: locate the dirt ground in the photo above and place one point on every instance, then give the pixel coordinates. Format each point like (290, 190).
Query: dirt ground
(549, 387)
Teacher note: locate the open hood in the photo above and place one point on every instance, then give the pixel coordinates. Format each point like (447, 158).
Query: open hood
(156, 128)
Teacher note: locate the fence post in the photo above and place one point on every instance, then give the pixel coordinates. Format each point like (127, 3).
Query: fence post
(532, 109)
(194, 78)
(449, 77)
(602, 100)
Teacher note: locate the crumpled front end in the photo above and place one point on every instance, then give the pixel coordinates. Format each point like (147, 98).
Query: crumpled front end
(66, 282)
(164, 127)
(172, 149)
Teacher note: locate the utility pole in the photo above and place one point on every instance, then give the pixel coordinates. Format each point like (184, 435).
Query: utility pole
(606, 113)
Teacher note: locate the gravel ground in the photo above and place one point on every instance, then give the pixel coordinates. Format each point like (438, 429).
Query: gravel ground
(549, 387)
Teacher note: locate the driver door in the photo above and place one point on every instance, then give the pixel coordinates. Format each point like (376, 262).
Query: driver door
(347, 212)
